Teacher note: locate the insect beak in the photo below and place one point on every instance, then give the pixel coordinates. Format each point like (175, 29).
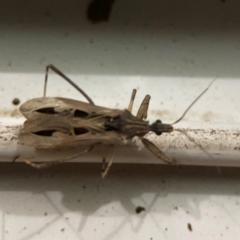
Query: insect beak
(158, 127)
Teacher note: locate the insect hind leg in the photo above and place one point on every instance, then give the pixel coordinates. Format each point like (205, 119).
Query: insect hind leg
(53, 163)
(57, 71)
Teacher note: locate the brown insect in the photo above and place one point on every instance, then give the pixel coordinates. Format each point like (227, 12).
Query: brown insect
(54, 122)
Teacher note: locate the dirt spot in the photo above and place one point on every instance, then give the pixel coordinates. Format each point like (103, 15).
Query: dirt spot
(15, 101)
(209, 116)
(189, 227)
(139, 209)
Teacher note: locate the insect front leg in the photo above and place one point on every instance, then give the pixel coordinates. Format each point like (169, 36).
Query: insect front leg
(130, 106)
(56, 162)
(157, 152)
(143, 110)
(56, 70)
(142, 113)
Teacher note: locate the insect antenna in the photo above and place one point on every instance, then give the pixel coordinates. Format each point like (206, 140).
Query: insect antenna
(189, 107)
(185, 112)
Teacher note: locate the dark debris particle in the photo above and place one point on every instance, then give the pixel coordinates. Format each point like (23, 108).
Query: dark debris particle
(189, 227)
(45, 214)
(63, 229)
(99, 10)
(139, 209)
(15, 101)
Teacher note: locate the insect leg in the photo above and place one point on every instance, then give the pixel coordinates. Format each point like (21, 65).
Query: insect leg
(157, 152)
(132, 100)
(106, 170)
(142, 111)
(53, 163)
(56, 70)
(103, 164)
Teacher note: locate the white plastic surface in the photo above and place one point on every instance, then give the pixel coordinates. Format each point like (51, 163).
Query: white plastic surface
(168, 49)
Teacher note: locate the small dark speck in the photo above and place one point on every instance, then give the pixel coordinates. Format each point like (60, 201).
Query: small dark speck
(24, 228)
(175, 208)
(84, 187)
(166, 229)
(139, 209)
(45, 214)
(66, 218)
(226, 227)
(223, 1)
(79, 200)
(189, 227)
(63, 229)
(15, 101)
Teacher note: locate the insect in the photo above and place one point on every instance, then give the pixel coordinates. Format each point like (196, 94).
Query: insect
(55, 122)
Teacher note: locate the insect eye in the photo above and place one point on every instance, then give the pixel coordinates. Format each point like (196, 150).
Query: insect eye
(80, 114)
(158, 121)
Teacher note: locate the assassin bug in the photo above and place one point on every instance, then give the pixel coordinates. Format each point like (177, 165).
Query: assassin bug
(55, 122)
